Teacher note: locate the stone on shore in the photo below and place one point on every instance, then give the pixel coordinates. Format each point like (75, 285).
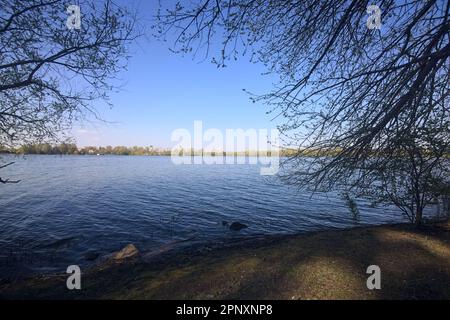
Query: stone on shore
(91, 255)
(129, 251)
(237, 226)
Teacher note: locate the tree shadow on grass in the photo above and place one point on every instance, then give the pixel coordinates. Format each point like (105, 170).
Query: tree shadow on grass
(332, 265)
(415, 264)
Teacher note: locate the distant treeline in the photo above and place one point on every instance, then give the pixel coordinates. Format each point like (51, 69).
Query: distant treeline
(72, 149)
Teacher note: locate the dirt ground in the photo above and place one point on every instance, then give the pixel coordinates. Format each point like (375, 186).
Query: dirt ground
(415, 264)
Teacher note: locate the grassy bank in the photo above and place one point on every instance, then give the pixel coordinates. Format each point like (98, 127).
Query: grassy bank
(415, 264)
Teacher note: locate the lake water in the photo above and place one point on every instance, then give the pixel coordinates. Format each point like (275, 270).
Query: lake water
(68, 206)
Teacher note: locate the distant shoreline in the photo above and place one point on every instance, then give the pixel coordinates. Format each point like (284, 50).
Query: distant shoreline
(138, 155)
(73, 149)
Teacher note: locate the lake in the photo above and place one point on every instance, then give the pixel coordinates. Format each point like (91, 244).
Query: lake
(68, 206)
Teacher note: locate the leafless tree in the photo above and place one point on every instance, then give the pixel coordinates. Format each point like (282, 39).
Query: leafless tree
(50, 73)
(415, 174)
(347, 93)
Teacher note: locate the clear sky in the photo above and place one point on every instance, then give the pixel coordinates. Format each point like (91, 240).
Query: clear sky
(163, 91)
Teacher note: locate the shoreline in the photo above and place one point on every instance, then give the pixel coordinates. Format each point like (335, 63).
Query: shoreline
(175, 248)
(312, 265)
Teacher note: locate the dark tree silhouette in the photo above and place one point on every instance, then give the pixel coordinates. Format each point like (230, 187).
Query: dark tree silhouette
(348, 93)
(50, 72)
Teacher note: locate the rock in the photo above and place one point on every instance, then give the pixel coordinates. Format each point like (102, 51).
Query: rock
(236, 226)
(127, 252)
(91, 255)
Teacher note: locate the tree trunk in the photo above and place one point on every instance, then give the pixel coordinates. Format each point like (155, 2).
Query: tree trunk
(418, 217)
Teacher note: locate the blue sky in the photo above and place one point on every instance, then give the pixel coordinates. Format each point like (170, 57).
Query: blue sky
(163, 91)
